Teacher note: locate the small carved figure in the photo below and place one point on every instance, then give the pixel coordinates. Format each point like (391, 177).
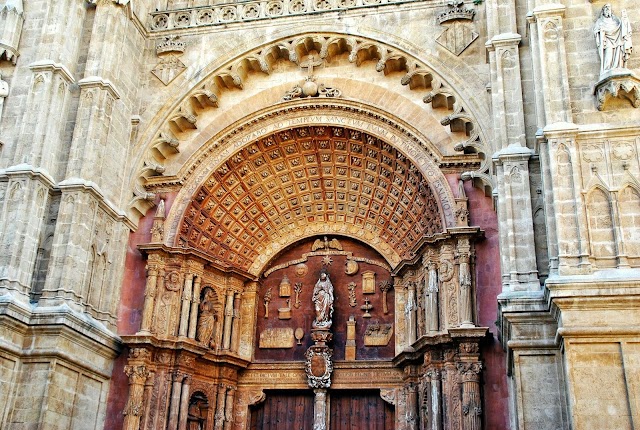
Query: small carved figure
(207, 319)
(195, 418)
(613, 37)
(323, 301)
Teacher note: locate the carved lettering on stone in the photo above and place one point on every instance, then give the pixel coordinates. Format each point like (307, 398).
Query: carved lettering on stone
(276, 338)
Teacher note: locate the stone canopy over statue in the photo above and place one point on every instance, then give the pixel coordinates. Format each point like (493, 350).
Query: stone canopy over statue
(323, 301)
(613, 38)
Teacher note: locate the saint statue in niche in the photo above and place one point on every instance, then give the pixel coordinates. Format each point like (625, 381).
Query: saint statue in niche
(207, 319)
(613, 37)
(323, 301)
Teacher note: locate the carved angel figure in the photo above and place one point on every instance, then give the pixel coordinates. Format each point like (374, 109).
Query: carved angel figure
(323, 301)
(613, 37)
(207, 319)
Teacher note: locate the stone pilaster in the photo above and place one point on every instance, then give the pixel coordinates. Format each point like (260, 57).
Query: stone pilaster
(432, 292)
(248, 316)
(563, 175)
(515, 219)
(23, 209)
(550, 68)
(506, 90)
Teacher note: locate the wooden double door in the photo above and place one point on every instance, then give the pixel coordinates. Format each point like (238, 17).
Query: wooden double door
(348, 410)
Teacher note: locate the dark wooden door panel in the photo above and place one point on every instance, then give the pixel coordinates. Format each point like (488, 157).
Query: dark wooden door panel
(284, 410)
(360, 409)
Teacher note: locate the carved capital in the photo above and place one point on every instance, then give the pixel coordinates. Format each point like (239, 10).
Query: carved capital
(137, 374)
(470, 371)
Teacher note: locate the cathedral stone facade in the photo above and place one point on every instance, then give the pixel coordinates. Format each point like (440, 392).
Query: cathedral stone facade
(319, 214)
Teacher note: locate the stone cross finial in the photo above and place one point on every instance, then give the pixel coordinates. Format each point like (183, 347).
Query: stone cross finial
(310, 64)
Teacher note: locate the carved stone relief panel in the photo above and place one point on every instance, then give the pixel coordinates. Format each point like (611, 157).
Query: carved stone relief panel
(329, 255)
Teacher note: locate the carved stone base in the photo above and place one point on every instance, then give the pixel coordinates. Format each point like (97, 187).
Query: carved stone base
(617, 83)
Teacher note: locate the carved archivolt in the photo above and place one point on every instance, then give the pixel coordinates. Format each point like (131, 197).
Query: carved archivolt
(310, 175)
(231, 76)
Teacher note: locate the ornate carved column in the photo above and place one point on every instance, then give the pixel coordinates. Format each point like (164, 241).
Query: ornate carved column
(148, 390)
(410, 308)
(466, 289)
(235, 324)
(320, 409)
(186, 305)
(150, 292)
(137, 374)
(248, 305)
(174, 406)
(411, 413)
(228, 320)
(220, 407)
(195, 302)
(228, 408)
(432, 311)
(184, 402)
(435, 380)
(471, 402)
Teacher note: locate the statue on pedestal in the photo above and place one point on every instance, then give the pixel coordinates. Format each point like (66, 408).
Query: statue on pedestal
(613, 37)
(323, 301)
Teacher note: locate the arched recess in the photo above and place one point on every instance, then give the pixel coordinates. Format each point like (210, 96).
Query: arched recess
(216, 197)
(602, 239)
(161, 141)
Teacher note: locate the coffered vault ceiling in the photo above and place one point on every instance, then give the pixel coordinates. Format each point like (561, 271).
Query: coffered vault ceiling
(304, 178)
